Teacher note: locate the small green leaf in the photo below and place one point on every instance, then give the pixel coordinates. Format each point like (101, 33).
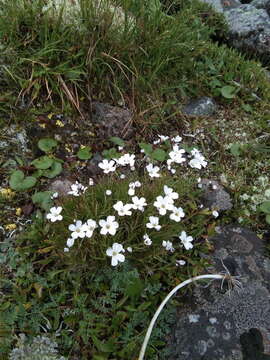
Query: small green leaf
(43, 163)
(111, 154)
(106, 347)
(84, 153)
(228, 91)
(20, 183)
(43, 199)
(235, 149)
(54, 171)
(247, 107)
(146, 147)
(47, 144)
(267, 218)
(265, 207)
(159, 155)
(117, 141)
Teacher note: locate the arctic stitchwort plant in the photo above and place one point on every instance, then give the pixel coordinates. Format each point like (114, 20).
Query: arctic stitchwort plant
(165, 204)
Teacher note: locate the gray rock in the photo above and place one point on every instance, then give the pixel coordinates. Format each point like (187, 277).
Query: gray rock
(92, 167)
(62, 186)
(261, 4)
(222, 5)
(222, 324)
(14, 138)
(249, 29)
(112, 121)
(204, 106)
(216, 198)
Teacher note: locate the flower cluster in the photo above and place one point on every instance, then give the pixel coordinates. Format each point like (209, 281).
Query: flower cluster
(164, 204)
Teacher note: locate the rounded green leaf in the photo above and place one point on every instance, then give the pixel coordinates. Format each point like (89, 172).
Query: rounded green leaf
(117, 141)
(84, 153)
(228, 91)
(43, 163)
(18, 182)
(47, 144)
(265, 207)
(159, 155)
(55, 170)
(43, 199)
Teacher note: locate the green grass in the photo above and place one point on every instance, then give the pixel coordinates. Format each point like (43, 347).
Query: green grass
(148, 57)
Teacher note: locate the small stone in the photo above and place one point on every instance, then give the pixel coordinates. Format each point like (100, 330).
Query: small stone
(62, 187)
(203, 106)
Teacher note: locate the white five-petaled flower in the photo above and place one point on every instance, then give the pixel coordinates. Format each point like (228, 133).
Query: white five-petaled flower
(198, 161)
(126, 159)
(153, 171)
(163, 204)
(153, 223)
(122, 209)
(115, 253)
(176, 155)
(77, 230)
(54, 214)
(107, 166)
(177, 214)
(146, 239)
(108, 226)
(89, 227)
(186, 240)
(168, 245)
(138, 203)
(170, 193)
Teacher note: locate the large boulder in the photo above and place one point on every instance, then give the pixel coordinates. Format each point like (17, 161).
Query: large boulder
(222, 324)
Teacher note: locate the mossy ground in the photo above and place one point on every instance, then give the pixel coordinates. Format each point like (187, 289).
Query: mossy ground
(48, 69)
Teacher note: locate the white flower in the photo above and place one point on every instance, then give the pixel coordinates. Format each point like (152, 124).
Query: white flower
(70, 242)
(129, 249)
(139, 203)
(108, 226)
(108, 192)
(89, 227)
(77, 189)
(177, 139)
(153, 223)
(170, 193)
(54, 214)
(126, 159)
(114, 253)
(198, 161)
(215, 213)
(122, 176)
(122, 209)
(153, 171)
(163, 204)
(180, 262)
(177, 155)
(66, 249)
(147, 241)
(177, 214)
(132, 186)
(186, 240)
(107, 166)
(168, 246)
(77, 230)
